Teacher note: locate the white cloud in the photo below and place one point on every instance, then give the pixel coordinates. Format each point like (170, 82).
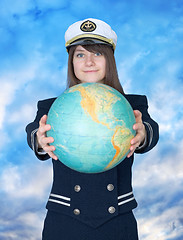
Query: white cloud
(157, 181)
(22, 115)
(24, 182)
(29, 219)
(125, 68)
(29, 186)
(10, 83)
(6, 97)
(166, 99)
(27, 226)
(161, 170)
(5, 140)
(165, 225)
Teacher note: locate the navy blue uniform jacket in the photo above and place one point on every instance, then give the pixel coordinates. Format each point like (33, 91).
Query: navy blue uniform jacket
(94, 198)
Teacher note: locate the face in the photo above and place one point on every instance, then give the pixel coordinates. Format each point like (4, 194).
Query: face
(89, 67)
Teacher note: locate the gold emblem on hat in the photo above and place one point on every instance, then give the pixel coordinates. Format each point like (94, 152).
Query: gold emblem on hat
(88, 26)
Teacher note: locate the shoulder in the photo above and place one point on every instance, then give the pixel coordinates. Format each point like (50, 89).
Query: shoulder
(46, 103)
(136, 100)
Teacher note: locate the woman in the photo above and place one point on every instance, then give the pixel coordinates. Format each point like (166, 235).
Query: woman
(92, 206)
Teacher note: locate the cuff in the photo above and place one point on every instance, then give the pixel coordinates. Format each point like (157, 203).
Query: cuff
(34, 143)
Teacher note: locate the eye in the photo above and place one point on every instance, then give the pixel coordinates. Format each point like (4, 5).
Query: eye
(97, 54)
(80, 55)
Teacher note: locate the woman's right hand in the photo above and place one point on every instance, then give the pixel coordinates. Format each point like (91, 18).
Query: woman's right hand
(43, 140)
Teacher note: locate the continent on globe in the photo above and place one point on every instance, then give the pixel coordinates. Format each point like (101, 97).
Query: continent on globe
(92, 126)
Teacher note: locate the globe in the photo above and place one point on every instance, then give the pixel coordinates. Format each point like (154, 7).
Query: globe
(92, 126)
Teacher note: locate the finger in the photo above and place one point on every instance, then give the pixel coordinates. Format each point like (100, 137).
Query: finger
(43, 120)
(138, 126)
(41, 135)
(140, 133)
(138, 115)
(130, 154)
(134, 146)
(41, 138)
(132, 150)
(43, 129)
(52, 155)
(48, 148)
(47, 140)
(136, 139)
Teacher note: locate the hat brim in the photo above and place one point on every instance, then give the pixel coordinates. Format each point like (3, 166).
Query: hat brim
(87, 41)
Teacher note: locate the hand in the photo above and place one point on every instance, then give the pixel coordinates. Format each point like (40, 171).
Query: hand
(140, 133)
(43, 140)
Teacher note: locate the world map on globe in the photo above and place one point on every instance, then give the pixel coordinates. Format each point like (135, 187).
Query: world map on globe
(92, 126)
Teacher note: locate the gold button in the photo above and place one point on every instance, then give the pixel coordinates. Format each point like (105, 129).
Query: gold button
(111, 210)
(77, 188)
(76, 211)
(110, 187)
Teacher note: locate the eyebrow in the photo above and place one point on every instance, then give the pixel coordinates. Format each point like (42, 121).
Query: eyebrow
(79, 50)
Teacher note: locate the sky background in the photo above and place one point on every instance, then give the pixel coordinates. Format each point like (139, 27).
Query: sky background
(33, 66)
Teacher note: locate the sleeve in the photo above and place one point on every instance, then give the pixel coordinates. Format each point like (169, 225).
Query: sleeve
(32, 128)
(152, 128)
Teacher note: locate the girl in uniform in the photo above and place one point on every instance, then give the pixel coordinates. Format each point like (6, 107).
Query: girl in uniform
(96, 206)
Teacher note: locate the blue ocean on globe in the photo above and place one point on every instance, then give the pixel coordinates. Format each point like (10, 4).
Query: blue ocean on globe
(92, 126)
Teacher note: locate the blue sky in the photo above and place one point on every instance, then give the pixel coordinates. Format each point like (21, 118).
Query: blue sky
(33, 66)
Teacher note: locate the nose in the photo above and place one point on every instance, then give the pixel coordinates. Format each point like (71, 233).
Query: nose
(89, 61)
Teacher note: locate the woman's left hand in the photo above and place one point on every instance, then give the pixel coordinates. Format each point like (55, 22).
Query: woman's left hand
(140, 133)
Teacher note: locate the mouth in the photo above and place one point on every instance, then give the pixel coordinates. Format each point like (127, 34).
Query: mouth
(90, 71)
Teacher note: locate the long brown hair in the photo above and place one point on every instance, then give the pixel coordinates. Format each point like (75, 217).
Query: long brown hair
(111, 77)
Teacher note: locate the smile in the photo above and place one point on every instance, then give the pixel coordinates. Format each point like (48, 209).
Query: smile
(91, 71)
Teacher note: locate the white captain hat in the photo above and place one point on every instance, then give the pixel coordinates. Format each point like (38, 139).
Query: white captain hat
(90, 31)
